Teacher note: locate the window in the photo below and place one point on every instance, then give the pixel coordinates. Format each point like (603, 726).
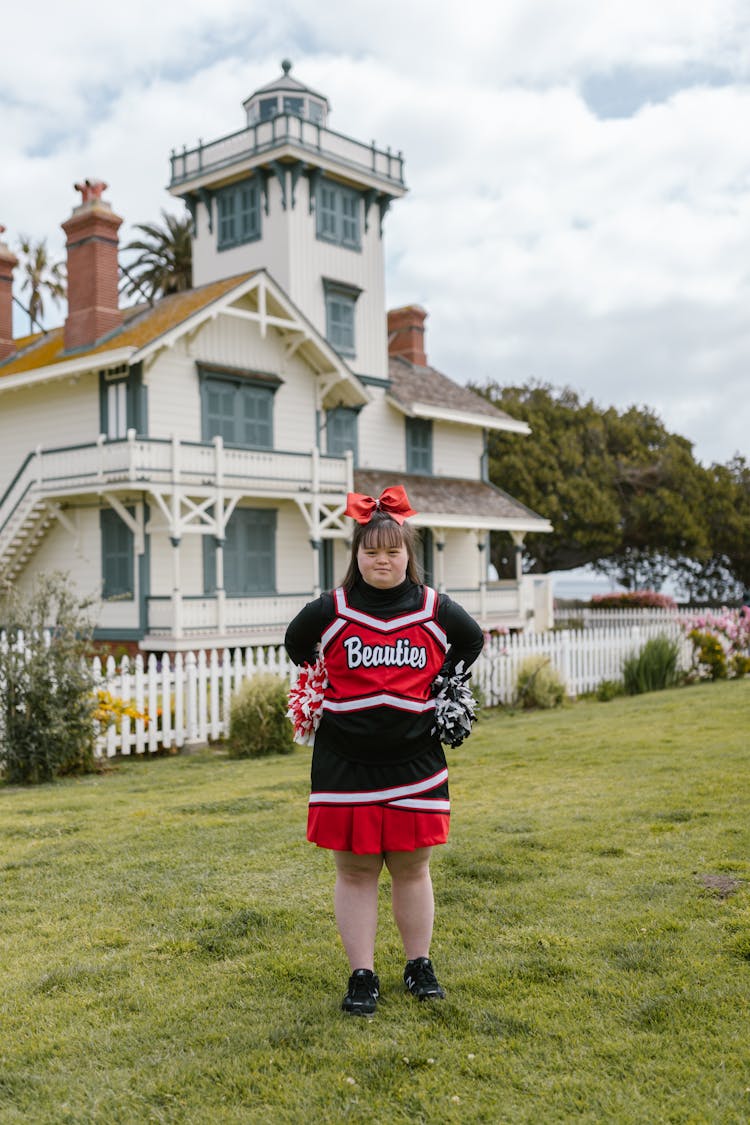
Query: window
(249, 554)
(341, 300)
(118, 571)
(239, 214)
(238, 409)
(117, 409)
(418, 445)
(294, 105)
(315, 112)
(338, 211)
(341, 431)
(122, 402)
(425, 555)
(326, 564)
(268, 108)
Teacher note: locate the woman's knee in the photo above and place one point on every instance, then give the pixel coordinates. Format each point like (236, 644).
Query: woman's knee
(409, 866)
(357, 868)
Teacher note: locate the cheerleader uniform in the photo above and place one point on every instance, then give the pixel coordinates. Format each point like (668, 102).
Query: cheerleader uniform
(379, 780)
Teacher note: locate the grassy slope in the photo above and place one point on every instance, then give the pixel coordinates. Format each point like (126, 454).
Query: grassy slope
(168, 954)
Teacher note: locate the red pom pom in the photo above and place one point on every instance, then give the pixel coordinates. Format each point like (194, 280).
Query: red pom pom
(306, 701)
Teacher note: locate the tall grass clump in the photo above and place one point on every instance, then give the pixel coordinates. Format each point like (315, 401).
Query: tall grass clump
(653, 668)
(47, 703)
(538, 684)
(258, 723)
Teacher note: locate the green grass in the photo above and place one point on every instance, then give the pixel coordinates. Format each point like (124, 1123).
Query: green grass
(168, 953)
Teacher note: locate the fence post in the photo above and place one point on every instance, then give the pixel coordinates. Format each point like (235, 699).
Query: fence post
(191, 693)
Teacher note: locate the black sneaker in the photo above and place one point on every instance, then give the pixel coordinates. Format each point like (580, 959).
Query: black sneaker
(362, 993)
(420, 979)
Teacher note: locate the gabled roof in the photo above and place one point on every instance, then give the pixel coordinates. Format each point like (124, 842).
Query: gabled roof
(454, 502)
(142, 325)
(147, 329)
(423, 392)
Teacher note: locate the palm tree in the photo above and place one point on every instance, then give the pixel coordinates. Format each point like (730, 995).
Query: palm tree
(164, 264)
(40, 277)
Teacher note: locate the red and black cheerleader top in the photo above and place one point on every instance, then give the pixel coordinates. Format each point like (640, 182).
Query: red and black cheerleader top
(379, 776)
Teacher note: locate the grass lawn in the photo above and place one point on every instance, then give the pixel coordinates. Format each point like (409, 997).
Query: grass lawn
(168, 951)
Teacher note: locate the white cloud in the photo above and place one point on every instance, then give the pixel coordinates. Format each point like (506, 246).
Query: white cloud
(610, 254)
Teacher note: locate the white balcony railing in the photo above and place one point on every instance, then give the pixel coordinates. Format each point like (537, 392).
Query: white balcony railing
(294, 131)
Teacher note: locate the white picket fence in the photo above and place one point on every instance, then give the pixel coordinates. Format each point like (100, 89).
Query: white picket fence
(187, 698)
(587, 618)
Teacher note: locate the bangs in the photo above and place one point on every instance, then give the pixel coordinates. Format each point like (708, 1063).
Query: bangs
(382, 533)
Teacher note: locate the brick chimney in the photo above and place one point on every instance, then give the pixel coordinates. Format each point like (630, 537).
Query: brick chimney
(406, 334)
(93, 308)
(8, 262)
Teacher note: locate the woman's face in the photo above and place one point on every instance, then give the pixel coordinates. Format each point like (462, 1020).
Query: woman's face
(383, 567)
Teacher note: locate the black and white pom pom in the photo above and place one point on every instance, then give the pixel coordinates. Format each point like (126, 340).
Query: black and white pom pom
(455, 708)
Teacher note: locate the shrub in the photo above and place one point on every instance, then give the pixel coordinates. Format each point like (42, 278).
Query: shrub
(633, 599)
(721, 643)
(538, 684)
(653, 668)
(609, 689)
(47, 702)
(708, 655)
(258, 723)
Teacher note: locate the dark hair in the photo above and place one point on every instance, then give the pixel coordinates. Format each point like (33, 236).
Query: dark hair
(382, 531)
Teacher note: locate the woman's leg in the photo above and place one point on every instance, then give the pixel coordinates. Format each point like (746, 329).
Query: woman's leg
(413, 902)
(356, 902)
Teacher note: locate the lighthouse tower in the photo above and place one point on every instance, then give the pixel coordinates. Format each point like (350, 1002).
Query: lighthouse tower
(289, 195)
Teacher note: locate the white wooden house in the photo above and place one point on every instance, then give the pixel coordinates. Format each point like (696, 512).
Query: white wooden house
(188, 462)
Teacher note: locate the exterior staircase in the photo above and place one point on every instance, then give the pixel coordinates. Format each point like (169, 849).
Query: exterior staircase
(22, 533)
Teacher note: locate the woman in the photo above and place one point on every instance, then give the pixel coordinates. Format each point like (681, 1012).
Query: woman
(379, 777)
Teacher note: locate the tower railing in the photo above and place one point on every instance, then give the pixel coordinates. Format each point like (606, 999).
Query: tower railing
(285, 128)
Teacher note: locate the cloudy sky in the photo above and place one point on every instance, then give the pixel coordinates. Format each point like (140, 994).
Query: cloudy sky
(579, 170)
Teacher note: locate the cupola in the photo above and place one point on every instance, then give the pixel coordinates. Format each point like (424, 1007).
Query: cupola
(285, 95)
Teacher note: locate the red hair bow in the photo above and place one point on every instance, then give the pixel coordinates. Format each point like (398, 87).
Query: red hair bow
(393, 501)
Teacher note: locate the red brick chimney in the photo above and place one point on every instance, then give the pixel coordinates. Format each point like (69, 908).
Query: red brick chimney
(406, 334)
(8, 262)
(93, 308)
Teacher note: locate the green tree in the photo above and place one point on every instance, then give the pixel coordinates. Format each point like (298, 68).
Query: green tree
(165, 257)
(41, 277)
(622, 492)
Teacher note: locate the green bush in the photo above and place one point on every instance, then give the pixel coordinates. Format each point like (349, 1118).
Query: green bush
(258, 723)
(609, 689)
(653, 668)
(47, 698)
(538, 684)
(709, 654)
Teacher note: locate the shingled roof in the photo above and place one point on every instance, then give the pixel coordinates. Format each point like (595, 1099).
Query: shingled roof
(414, 386)
(142, 324)
(454, 501)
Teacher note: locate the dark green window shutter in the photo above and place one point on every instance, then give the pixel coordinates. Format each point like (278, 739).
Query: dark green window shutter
(418, 445)
(118, 571)
(341, 431)
(249, 554)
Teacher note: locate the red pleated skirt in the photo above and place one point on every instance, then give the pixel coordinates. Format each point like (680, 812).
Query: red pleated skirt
(374, 829)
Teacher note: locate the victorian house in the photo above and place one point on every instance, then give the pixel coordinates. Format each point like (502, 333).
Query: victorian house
(187, 462)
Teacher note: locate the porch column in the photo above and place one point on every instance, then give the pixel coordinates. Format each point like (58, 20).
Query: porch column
(518, 538)
(481, 548)
(176, 589)
(221, 605)
(316, 562)
(440, 544)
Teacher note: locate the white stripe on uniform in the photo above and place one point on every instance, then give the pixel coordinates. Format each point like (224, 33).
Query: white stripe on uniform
(370, 796)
